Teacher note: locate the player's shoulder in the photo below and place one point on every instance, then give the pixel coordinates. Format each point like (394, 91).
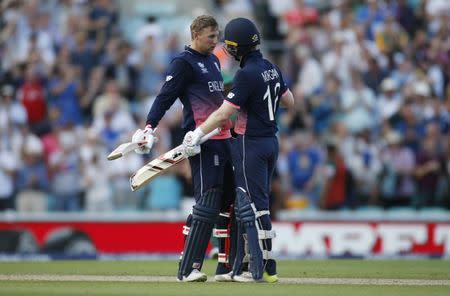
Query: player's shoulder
(269, 64)
(181, 60)
(185, 55)
(244, 73)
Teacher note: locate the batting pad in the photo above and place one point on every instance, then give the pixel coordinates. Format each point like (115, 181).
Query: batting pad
(204, 215)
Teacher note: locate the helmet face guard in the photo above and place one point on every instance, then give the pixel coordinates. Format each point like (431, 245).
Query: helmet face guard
(231, 48)
(236, 51)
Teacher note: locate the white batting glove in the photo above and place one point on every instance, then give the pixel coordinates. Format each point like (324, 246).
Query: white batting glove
(145, 138)
(191, 142)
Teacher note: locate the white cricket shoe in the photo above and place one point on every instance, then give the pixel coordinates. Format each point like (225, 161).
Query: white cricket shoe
(194, 276)
(245, 277)
(226, 277)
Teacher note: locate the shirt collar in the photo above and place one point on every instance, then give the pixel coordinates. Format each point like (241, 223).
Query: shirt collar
(194, 52)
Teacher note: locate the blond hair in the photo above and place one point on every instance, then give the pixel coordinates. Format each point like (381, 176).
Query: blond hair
(201, 22)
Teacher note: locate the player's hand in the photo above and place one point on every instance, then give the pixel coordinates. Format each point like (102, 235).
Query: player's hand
(191, 142)
(145, 138)
(191, 150)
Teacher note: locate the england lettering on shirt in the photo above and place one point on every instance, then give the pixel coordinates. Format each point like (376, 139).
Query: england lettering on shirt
(269, 75)
(215, 86)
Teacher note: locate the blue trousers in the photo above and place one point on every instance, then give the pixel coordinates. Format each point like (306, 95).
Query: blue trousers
(254, 160)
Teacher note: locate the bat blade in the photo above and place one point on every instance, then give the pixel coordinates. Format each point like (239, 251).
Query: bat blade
(156, 167)
(122, 149)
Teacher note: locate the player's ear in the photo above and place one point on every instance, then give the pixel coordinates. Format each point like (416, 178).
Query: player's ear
(196, 35)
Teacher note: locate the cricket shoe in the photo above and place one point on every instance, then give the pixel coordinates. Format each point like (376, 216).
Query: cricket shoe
(226, 277)
(223, 273)
(270, 278)
(194, 276)
(270, 273)
(246, 277)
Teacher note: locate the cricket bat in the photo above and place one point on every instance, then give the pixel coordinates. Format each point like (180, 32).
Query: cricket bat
(158, 165)
(122, 150)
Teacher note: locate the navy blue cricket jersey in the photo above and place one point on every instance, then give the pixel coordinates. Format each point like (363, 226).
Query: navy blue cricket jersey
(197, 81)
(256, 90)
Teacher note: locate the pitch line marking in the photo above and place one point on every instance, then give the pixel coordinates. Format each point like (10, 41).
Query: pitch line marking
(168, 279)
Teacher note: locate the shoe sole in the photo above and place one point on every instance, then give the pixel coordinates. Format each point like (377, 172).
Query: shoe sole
(221, 278)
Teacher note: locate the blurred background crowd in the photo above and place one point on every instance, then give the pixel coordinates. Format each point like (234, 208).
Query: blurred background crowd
(370, 128)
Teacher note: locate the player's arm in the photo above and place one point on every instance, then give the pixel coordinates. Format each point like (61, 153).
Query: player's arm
(179, 75)
(218, 117)
(287, 99)
(192, 139)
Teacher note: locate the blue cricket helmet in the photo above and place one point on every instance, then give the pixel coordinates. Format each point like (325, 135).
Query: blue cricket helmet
(240, 36)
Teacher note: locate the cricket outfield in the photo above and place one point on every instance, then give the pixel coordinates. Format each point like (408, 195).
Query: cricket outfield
(297, 277)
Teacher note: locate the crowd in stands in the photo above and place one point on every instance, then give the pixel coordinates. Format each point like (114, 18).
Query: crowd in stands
(370, 127)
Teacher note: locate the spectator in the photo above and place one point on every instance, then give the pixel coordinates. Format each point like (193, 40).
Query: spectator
(95, 175)
(310, 77)
(334, 190)
(390, 100)
(33, 97)
(357, 105)
(9, 164)
(151, 66)
(374, 75)
(85, 55)
(127, 76)
(32, 180)
(66, 173)
(365, 167)
(303, 161)
(397, 184)
(65, 90)
(430, 167)
(111, 115)
(325, 105)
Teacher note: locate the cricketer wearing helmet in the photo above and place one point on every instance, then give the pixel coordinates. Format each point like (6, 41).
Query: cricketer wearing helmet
(257, 91)
(195, 78)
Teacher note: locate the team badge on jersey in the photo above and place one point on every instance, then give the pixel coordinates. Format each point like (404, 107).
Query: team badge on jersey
(169, 77)
(202, 67)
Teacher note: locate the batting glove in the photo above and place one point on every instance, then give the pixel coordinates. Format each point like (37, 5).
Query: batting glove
(191, 142)
(145, 138)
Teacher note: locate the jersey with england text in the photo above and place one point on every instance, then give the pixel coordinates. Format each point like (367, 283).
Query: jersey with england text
(197, 81)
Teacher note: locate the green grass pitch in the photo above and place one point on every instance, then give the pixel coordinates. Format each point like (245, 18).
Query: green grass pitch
(424, 270)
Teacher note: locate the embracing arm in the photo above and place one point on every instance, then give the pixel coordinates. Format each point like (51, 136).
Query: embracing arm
(215, 120)
(218, 118)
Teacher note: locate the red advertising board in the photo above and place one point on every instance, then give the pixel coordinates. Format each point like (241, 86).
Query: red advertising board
(317, 238)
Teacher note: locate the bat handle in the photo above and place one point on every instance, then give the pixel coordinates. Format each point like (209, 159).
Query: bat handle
(210, 135)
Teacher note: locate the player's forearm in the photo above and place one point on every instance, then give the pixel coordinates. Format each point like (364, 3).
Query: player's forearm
(159, 109)
(218, 118)
(215, 120)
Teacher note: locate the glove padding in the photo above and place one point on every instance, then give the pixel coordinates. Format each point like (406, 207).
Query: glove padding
(145, 138)
(191, 142)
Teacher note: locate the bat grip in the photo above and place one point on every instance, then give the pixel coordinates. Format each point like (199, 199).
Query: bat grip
(210, 135)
